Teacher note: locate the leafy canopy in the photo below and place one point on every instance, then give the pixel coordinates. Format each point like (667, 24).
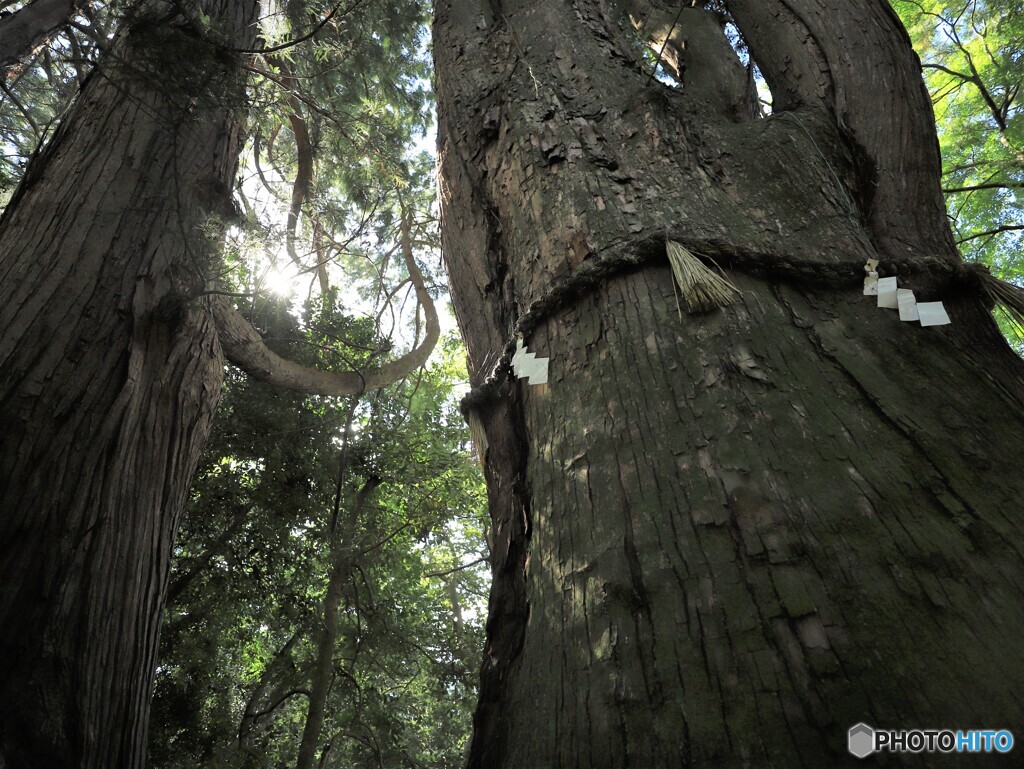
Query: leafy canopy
(972, 53)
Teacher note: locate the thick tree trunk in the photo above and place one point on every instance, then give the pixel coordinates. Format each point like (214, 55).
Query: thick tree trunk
(109, 376)
(723, 539)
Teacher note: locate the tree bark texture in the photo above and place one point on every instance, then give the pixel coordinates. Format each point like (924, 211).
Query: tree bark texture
(721, 540)
(109, 376)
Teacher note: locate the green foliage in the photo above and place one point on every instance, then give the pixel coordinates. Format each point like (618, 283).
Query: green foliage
(327, 187)
(252, 560)
(37, 92)
(972, 52)
(330, 122)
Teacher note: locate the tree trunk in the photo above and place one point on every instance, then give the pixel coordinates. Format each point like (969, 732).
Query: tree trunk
(341, 565)
(109, 376)
(720, 540)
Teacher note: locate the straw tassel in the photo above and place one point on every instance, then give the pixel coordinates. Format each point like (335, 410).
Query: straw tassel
(1005, 295)
(702, 289)
(477, 434)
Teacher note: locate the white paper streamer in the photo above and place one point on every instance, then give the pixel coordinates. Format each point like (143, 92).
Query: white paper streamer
(527, 365)
(932, 314)
(892, 297)
(887, 293)
(907, 304)
(871, 281)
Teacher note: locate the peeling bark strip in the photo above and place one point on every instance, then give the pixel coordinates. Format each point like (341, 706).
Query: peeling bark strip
(721, 540)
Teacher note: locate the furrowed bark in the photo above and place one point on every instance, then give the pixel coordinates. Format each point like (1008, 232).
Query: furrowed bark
(109, 381)
(855, 62)
(110, 372)
(691, 46)
(721, 540)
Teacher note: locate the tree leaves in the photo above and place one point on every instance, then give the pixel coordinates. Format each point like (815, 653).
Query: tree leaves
(972, 52)
(240, 640)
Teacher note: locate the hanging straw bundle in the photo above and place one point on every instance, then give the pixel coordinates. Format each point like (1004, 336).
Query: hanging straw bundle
(1007, 296)
(478, 435)
(702, 289)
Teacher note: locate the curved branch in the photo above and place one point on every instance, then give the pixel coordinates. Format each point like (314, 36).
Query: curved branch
(948, 71)
(463, 567)
(303, 179)
(304, 163)
(301, 38)
(790, 55)
(25, 112)
(280, 701)
(245, 348)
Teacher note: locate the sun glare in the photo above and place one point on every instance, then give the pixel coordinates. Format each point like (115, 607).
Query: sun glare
(284, 283)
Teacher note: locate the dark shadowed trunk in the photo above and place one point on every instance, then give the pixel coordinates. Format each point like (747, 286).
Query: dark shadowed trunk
(720, 540)
(109, 375)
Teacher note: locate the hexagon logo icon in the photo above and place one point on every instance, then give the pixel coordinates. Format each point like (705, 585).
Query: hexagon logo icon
(861, 740)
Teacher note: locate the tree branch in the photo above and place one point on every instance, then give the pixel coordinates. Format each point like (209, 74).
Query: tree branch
(25, 112)
(996, 231)
(245, 348)
(463, 567)
(304, 170)
(30, 26)
(340, 555)
(999, 113)
(202, 562)
(990, 186)
(948, 71)
(250, 714)
(280, 701)
(890, 130)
